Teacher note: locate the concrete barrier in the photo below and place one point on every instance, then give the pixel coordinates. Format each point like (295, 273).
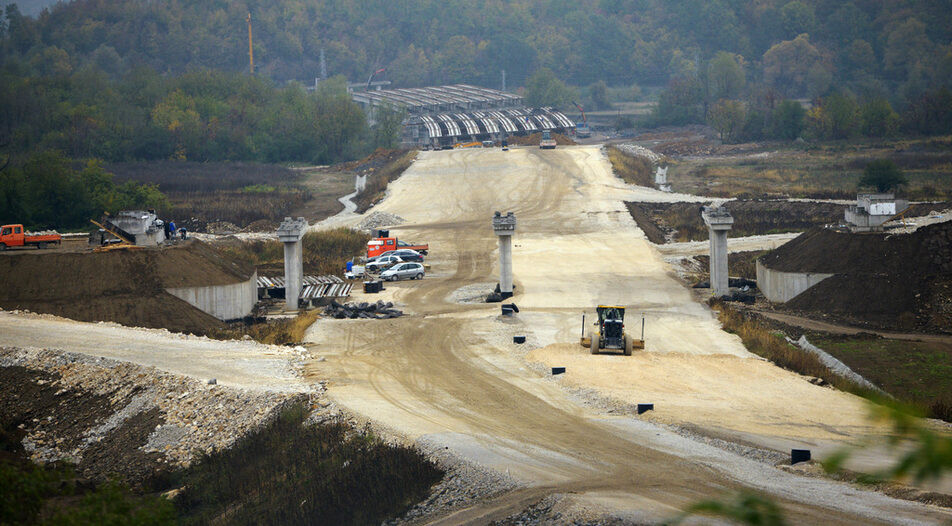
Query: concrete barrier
(780, 287)
(225, 302)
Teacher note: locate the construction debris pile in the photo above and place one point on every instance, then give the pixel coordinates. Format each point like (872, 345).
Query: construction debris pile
(379, 219)
(363, 310)
(119, 418)
(639, 151)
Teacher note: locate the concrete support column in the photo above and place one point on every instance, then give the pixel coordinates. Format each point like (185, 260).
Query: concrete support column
(290, 233)
(719, 222)
(504, 226)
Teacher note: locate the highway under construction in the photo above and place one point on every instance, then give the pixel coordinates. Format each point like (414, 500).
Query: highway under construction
(449, 377)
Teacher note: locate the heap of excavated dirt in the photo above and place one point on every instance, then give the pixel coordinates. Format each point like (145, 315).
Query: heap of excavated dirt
(123, 286)
(895, 282)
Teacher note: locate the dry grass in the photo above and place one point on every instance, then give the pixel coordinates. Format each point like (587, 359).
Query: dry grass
(633, 170)
(820, 171)
(276, 332)
(325, 252)
(378, 181)
(771, 345)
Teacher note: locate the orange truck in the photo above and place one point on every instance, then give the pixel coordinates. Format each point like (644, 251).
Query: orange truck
(379, 245)
(16, 236)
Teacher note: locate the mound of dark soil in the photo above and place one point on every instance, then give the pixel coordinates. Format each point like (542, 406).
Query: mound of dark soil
(127, 287)
(682, 221)
(28, 396)
(895, 282)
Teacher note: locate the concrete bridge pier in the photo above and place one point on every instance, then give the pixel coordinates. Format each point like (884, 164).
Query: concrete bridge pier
(719, 222)
(290, 233)
(504, 226)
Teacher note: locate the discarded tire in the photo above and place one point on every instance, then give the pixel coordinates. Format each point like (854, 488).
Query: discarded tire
(558, 370)
(799, 455)
(519, 339)
(642, 408)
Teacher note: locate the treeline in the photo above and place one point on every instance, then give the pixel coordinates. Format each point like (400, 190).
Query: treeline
(862, 45)
(201, 116)
(48, 190)
(719, 93)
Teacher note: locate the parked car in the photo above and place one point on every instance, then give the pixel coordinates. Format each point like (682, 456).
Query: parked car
(405, 254)
(383, 262)
(403, 271)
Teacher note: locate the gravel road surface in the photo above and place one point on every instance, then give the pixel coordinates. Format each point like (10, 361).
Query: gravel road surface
(448, 376)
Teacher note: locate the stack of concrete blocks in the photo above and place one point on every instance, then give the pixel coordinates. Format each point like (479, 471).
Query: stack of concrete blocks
(719, 222)
(504, 226)
(661, 179)
(872, 210)
(290, 233)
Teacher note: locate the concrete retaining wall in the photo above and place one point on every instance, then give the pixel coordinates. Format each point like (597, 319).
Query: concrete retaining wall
(781, 287)
(225, 302)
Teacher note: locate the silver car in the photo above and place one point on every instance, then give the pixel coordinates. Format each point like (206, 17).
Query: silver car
(383, 262)
(408, 270)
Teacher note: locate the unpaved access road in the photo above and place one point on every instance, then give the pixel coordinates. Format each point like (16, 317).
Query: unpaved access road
(447, 375)
(241, 364)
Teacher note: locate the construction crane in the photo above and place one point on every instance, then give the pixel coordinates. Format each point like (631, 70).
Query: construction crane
(251, 52)
(582, 130)
(372, 75)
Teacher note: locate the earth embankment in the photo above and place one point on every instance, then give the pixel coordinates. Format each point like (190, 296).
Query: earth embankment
(123, 286)
(882, 281)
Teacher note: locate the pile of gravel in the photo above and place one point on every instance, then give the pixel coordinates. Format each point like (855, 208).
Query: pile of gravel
(195, 417)
(379, 219)
(639, 151)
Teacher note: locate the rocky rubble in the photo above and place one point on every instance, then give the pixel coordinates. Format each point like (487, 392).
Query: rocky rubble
(639, 151)
(197, 417)
(379, 219)
(378, 311)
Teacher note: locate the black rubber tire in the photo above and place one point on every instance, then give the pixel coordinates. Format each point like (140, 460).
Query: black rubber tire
(418, 276)
(40, 246)
(594, 345)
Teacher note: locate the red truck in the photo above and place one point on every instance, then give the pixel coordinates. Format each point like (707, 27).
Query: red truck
(16, 236)
(379, 245)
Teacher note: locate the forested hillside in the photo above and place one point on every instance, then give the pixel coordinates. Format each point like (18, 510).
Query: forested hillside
(868, 44)
(131, 80)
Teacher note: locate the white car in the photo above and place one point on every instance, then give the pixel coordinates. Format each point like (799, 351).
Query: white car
(408, 270)
(382, 262)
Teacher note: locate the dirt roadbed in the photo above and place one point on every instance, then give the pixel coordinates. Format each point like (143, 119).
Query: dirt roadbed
(448, 375)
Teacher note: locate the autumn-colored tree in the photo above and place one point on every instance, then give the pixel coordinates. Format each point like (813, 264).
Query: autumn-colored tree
(727, 117)
(793, 66)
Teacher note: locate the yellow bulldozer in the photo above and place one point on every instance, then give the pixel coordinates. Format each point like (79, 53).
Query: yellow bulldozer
(610, 332)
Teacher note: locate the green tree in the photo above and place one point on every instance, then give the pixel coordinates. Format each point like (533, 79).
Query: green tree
(906, 47)
(727, 117)
(725, 76)
(386, 129)
(883, 175)
(797, 18)
(788, 119)
(878, 118)
(843, 113)
(599, 94)
(788, 65)
(544, 89)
